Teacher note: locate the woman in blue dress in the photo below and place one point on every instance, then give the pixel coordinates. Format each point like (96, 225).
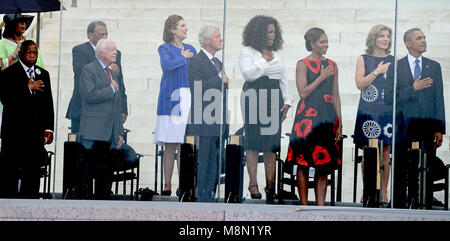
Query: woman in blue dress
(374, 71)
(174, 100)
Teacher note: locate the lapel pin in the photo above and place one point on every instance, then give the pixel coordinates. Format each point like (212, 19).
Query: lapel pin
(38, 71)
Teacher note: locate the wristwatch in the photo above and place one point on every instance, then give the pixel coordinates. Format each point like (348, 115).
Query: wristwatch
(375, 73)
(15, 55)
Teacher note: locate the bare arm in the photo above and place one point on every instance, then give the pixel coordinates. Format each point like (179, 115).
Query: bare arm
(15, 55)
(364, 81)
(336, 96)
(361, 80)
(337, 103)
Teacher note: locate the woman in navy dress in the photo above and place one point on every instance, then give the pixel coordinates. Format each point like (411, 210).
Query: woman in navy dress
(174, 100)
(317, 125)
(374, 118)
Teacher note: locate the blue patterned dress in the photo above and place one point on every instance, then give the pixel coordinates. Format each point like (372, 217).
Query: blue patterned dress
(374, 116)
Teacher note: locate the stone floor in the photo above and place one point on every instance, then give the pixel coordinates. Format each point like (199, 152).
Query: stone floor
(168, 209)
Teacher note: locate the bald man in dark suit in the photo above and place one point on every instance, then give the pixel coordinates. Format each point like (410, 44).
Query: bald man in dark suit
(82, 55)
(28, 124)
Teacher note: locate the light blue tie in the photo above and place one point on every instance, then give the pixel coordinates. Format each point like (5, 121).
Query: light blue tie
(417, 70)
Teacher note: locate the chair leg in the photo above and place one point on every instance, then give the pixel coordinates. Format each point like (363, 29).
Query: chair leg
(355, 174)
(124, 183)
(162, 169)
(131, 187)
(156, 167)
(137, 177)
(339, 185)
(332, 188)
(446, 192)
(117, 184)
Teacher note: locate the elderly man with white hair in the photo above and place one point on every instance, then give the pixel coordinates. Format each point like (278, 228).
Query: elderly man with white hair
(101, 126)
(207, 115)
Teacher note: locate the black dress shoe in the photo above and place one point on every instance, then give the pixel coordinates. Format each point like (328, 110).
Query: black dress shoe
(166, 193)
(254, 195)
(436, 202)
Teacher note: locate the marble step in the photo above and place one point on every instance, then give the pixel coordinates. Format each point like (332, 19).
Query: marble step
(232, 25)
(255, 4)
(368, 13)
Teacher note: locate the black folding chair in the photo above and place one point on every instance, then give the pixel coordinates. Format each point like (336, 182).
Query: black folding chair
(125, 171)
(46, 169)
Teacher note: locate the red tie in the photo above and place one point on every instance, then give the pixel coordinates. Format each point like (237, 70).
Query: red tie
(108, 75)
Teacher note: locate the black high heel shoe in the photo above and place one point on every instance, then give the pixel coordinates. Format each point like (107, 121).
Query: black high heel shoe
(255, 195)
(270, 193)
(166, 193)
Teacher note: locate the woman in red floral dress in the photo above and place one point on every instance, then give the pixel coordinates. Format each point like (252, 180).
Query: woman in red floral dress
(318, 124)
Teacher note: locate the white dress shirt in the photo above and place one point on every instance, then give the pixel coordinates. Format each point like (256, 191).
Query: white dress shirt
(26, 68)
(253, 66)
(209, 55)
(412, 63)
(93, 46)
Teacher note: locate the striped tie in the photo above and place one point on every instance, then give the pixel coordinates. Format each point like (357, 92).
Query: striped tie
(30, 73)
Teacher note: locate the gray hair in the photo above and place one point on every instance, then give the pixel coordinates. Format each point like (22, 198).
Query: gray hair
(408, 34)
(92, 25)
(101, 45)
(206, 32)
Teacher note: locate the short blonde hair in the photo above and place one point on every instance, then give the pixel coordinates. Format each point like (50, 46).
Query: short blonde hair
(371, 39)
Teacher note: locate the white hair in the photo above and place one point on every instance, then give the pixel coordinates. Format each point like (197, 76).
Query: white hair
(206, 32)
(101, 45)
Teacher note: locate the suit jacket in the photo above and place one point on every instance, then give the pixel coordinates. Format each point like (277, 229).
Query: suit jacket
(82, 55)
(101, 108)
(202, 69)
(419, 113)
(26, 115)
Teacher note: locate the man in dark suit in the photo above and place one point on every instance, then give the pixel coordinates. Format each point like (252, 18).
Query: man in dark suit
(28, 120)
(420, 108)
(205, 81)
(101, 126)
(82, 55)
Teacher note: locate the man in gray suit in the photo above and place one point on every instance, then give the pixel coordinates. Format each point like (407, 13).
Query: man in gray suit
(82, 55)
(101, 127)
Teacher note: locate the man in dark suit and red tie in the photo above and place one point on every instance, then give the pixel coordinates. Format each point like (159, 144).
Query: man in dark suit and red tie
(420, 108)
(206, 115)
(28, 124)
(82, 55)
